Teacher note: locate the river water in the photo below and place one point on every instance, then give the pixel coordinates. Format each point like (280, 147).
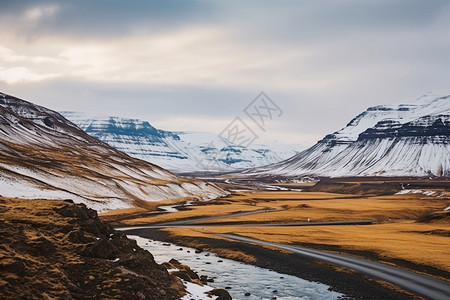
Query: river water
(239, 277)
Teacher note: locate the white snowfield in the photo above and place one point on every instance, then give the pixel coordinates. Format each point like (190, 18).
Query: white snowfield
(395, 140)
(180, 151)
(45, 156)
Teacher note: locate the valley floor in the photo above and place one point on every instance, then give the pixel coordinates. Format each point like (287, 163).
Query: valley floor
(410, 229)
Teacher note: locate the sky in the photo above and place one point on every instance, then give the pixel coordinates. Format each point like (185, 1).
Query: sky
(196, 65)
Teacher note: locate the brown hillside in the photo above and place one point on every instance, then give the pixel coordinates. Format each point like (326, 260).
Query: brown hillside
(60, 250)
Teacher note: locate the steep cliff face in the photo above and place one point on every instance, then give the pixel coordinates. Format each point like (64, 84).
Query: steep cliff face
(402, 140)
(179, 151)
(43, 155)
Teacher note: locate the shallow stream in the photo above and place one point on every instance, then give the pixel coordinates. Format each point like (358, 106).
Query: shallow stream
(239, 278)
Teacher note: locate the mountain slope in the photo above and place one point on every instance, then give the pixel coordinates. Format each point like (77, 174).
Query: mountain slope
(43, 155)
(395, 140)
(180, 152)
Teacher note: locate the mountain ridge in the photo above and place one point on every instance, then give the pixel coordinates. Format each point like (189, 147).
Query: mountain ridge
(46, 156)
(385, 140)
(178, 151)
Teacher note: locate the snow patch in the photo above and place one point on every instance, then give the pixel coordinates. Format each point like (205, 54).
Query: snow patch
(406, 192)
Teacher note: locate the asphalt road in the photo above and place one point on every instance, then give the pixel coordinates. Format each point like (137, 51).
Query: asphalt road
(198, 222)
(418, 284)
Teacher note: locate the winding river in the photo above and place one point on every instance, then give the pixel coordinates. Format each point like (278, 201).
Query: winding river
(239, 278)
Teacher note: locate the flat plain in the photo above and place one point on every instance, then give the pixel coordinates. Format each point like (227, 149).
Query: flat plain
(410, 229)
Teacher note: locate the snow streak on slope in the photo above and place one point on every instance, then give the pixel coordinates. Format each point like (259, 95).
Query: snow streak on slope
(181, 151)
(396, 140)
(43, 155)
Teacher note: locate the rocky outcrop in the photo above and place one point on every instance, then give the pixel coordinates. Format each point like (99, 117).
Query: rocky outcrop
(61, 250)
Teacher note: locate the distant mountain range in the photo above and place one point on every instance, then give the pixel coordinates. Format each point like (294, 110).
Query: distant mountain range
(43, 155)
(386, 140)
(181, 151)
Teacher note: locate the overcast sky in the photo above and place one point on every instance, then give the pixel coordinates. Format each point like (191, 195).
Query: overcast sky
(195, 65)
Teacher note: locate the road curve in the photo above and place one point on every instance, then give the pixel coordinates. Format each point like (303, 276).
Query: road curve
(418, 284)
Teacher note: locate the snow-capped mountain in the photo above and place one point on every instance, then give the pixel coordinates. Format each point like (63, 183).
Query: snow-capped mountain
(386, 140)
(43, 155)
(179, 152)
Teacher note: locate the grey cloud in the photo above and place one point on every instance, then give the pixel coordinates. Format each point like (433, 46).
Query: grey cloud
(135, 99)
(372, 52)
(282, 20)
(109, 18)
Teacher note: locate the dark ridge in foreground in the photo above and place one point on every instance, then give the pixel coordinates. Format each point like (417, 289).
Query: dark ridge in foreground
(61, 250)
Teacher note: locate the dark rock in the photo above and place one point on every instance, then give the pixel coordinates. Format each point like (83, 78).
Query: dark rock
(12, 265)
(48, 122)
(247, 294)
(78, 237)
(174, 262)
(187, 274)
(100, 249)
(184, 272)
(42, 247)
(73, 211)
(222, 294)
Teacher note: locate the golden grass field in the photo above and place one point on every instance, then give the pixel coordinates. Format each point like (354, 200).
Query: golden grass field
(397, 234)
(403, 240)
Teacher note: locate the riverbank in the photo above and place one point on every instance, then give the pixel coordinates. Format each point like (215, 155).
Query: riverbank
(408, 229)
(353, 285)
(396, 223)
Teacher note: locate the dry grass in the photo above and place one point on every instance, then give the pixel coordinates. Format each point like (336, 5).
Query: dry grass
(234, 255)
(398, 236)
(196, 211)
(31, 211)
(221, 252)
(326, 209)
(293, 206)
(237, 202)
(406, 240)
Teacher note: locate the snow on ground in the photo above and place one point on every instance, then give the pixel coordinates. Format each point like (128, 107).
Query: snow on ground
(426, 193)
(197, 292)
